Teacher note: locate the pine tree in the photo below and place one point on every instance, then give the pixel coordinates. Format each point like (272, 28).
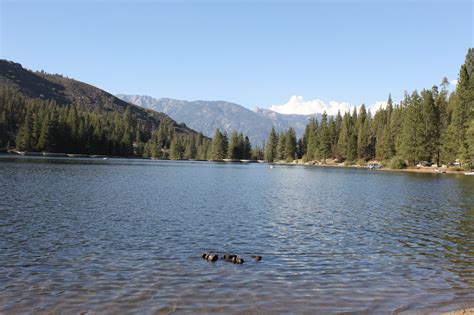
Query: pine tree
(43, 141)
(456, 142)
(218, 146)
(281, 146)
(362, 134)
(290, 145)
(324, 144)
(311, 134)
(412, 135)
(234, 150)
(190, 151)
(247, 148)
(25, 140)
(344, 136)
(430, 122)
(271, 147)
(175, 151)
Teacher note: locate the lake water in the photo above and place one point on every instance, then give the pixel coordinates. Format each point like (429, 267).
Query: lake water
(117, 236)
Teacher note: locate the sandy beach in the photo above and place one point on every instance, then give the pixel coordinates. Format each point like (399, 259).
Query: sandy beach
(466, 311)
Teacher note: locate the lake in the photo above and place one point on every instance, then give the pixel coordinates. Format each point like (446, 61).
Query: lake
(119, 235)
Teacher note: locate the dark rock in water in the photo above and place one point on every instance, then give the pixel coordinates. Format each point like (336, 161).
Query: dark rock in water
(256, 257)
(237, 260)
(212, 257)
(229, 257)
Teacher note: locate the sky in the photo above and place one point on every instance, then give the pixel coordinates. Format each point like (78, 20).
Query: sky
(292, 56)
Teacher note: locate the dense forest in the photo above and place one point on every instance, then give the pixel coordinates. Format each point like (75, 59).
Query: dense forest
(433, 126)
(37, 125)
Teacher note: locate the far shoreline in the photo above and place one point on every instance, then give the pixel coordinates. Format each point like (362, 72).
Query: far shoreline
(426, 170)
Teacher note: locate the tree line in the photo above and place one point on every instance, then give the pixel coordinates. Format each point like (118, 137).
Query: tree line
(36, 125)
(432, 126)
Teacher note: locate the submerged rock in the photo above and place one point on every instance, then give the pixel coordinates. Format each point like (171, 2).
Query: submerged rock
(229, 257)
(237, 260)
(256, 257)
(210, 257)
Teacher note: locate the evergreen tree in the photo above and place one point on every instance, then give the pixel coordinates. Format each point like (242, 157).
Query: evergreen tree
(234, 150)
(271, 147)
(311, 134)
(324, 143)
(412, 135)
(25, 141)
(290, 145)
(247, 149)
(456, 142)
(218, 146)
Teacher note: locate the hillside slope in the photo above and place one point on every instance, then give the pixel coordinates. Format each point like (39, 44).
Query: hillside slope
(65, 91)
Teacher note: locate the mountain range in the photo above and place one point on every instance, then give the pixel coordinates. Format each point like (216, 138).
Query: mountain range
(207, 116)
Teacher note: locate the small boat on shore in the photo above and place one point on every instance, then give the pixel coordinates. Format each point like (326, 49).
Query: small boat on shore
(74, 155)
(469, 173)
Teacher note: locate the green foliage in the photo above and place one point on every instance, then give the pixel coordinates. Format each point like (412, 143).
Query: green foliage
(349, 162)
(271, 146)
(361, 162)
(218, 146)
(397, 163)
(239, 147)
(39, 125)
(432, 126)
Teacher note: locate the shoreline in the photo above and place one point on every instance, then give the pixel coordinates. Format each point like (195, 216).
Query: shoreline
(462, 311)
(426, 170)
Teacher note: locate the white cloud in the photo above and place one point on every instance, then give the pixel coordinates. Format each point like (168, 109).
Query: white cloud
(298, 105)
(453, 82)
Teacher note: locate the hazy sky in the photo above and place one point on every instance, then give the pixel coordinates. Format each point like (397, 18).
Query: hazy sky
(255, 53)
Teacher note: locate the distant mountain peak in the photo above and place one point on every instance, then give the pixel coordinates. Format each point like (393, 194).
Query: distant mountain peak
(207, 116)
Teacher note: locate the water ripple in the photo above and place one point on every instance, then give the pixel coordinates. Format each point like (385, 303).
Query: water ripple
(125, 236)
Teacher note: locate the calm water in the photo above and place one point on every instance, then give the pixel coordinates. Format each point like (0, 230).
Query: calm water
(127, 235)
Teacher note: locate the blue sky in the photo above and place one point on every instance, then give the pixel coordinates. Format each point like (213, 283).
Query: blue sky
(255, 53)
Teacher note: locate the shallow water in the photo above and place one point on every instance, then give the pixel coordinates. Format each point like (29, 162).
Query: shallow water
(85, 235)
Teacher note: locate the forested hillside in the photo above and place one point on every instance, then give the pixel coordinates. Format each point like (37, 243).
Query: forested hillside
(44, 112)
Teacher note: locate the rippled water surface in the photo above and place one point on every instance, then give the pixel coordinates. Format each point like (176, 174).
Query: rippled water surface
(115, 236)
